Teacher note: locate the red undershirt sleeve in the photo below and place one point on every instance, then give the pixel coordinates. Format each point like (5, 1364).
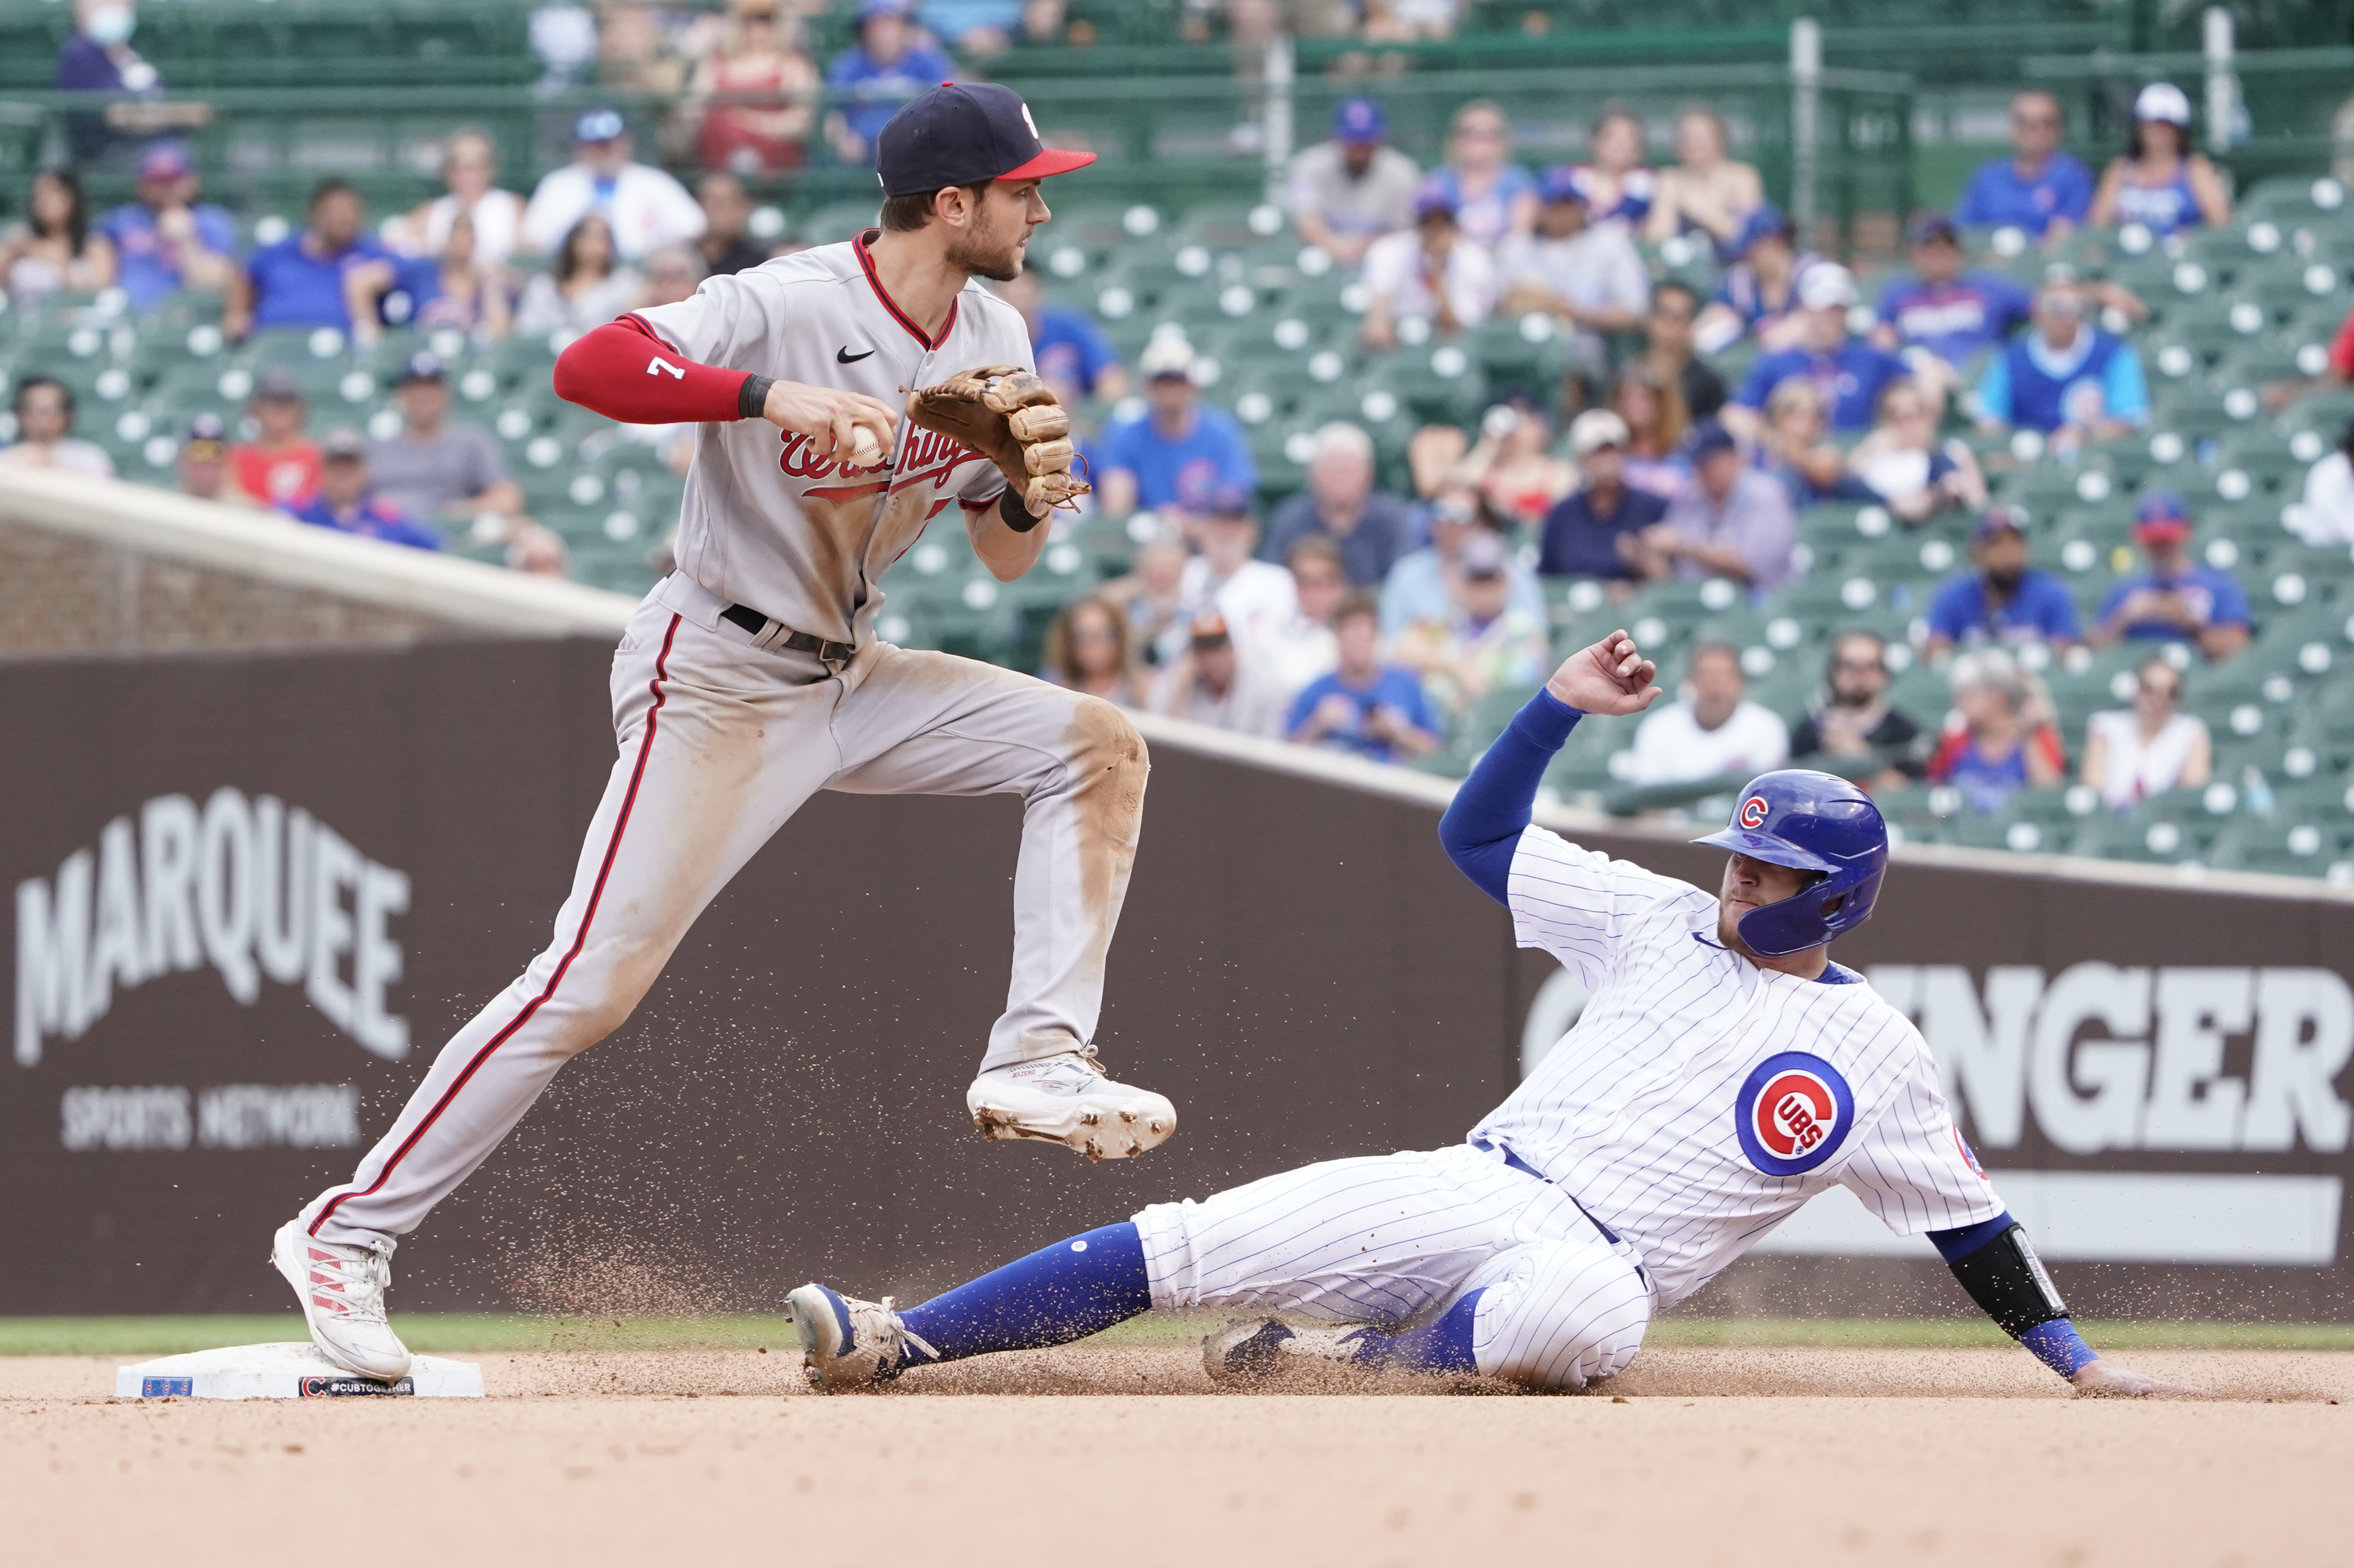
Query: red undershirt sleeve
(625, 371)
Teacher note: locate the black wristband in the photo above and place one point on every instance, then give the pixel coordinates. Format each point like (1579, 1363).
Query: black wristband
(752, 397)
(1016, 518)
(2007, 1280)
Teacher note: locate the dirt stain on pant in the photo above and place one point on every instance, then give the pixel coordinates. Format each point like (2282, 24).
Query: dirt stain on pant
(1108, 765)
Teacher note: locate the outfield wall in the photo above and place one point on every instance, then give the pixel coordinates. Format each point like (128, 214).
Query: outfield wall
(2155, 1069)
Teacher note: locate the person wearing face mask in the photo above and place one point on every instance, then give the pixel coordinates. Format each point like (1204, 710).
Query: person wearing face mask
(2005, 600)
(98, 57)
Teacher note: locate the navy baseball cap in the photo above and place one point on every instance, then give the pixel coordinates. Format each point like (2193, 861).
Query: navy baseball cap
(165, 161)
(1560, 184)
(2000, 519)
(1224, 501)
(422, 365)
(1359, 121)
(965, 134)
(599, 125)
(1768, 220)
(1710, 437)
(1935, 228)
(1433, 197)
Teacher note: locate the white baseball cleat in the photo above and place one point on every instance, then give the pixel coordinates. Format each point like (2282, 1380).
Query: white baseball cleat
(846, 1342)
(1253, 1349)
(1066, 1100)
(342, 1291)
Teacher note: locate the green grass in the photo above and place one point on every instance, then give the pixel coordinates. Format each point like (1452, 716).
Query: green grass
(1961, 1333)
(442, 1332)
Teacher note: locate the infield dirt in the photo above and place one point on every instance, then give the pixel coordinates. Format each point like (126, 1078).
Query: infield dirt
(1748, 1457)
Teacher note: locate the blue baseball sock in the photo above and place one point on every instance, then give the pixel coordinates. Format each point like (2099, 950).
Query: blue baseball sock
(1057, 1293)
(1443, 1346)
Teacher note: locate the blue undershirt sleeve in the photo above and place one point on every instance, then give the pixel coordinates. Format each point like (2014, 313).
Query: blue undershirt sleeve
(1482, 827)
(1956, 1244)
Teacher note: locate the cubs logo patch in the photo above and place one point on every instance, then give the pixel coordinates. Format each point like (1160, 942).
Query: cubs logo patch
(1793, 1113)
(1752, 812)
(1968, 1158)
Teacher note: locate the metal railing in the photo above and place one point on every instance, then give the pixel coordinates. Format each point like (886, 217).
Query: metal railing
(2291, 97)
(1172, 140)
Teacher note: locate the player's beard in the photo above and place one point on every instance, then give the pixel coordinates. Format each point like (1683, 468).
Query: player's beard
(1728, 932)
(997, 258)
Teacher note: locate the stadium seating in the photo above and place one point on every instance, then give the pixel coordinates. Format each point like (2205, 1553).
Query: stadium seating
(1166, 239)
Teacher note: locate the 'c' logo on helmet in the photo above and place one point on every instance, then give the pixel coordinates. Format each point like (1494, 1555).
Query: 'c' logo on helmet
(1752, 812)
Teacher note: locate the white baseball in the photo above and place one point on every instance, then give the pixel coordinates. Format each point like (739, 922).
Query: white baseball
(864, 450)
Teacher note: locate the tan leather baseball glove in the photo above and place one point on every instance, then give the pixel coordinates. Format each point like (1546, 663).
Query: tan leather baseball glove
(1010, 417)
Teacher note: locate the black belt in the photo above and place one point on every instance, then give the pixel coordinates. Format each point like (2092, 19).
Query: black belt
(766, 631)
(1517, 1163)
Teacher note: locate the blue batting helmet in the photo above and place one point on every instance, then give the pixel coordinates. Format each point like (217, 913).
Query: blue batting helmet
(1811, 822)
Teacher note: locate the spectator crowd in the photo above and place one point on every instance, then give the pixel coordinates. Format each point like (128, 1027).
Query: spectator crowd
(1689, 429)
(1670, 464)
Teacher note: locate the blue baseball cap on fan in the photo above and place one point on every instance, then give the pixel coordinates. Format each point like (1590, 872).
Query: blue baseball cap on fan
(1360, 121)
(965, 134)
(1560, 184)
(1766, 221)
(599, 126)
(1434, 198)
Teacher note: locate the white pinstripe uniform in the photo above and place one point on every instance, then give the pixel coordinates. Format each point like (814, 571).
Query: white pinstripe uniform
(1698, 1102)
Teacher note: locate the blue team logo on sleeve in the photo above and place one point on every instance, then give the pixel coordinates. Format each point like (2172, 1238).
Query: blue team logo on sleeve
(1792, 1113)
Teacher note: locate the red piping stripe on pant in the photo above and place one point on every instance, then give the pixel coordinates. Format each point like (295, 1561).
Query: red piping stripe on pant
(645, 748)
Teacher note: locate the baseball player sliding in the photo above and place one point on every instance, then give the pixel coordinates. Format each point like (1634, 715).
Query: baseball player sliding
(1723, 1072)
(752, 677)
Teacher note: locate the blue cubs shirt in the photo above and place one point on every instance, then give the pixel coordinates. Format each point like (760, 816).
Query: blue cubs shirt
(1393, 688)
(2031, 385)
(1956, 319)
(2215, 598)
(371, 519)
(293, 287)
(1068, 347)
(149, 274)
(1485, 217)
(1181, 472)
(1996, 196)
(1850, 377)
(877, 91)
(2040, 609)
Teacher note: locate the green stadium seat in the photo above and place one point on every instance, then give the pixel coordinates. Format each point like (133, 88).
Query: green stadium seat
(2286, 843)
(1232, 222)
(2164, 829)
(2289, 199)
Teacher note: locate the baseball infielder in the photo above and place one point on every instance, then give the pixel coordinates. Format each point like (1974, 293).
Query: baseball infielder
(752, 677)
(1723, 1072)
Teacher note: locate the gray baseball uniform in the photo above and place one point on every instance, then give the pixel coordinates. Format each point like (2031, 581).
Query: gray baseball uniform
(724, 733)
